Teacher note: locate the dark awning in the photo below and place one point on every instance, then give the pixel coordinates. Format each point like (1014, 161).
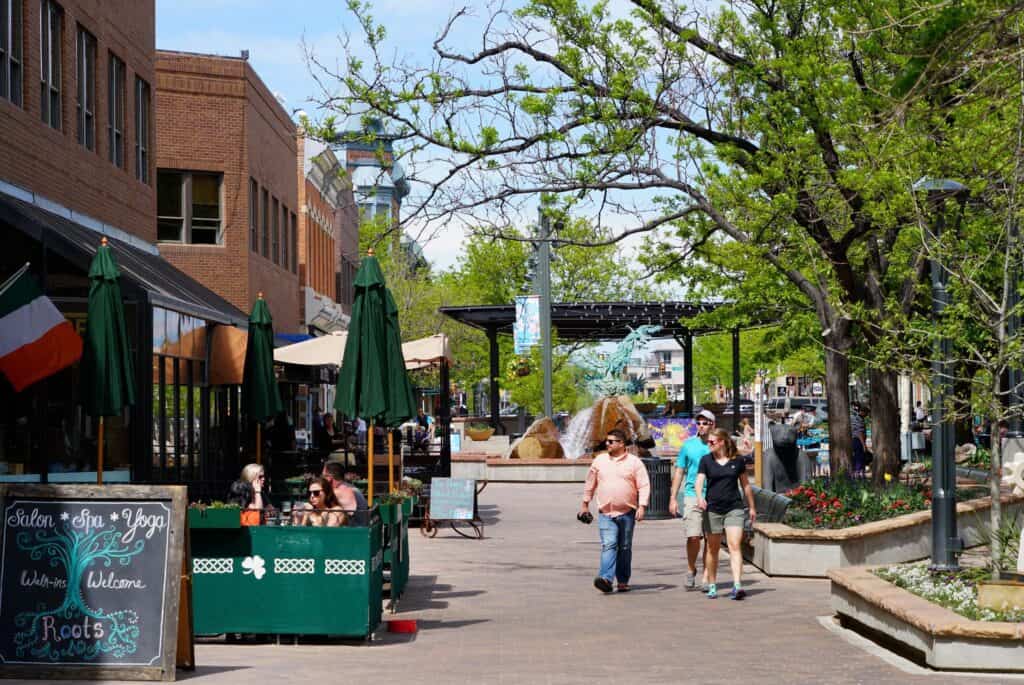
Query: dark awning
(164, 284)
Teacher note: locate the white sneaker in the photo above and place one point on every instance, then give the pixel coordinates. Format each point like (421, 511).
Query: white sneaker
(691, 581)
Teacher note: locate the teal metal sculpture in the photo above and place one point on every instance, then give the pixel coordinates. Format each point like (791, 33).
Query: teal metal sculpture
(604, 376)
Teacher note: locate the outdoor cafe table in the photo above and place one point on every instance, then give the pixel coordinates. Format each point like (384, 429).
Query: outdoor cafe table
(290, 580)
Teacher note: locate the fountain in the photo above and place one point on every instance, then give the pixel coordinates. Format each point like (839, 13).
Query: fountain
(613, 408)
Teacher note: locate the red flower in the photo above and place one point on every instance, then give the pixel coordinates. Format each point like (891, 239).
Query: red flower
(817, 520)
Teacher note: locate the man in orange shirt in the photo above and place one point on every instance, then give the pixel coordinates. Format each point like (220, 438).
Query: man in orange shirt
(619, 481)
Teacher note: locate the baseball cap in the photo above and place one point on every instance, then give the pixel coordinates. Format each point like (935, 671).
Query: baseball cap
(706, 414)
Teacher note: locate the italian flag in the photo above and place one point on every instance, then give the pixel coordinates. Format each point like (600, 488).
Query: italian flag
(36, 340)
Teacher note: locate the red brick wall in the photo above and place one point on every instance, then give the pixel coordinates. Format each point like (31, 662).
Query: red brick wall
(214, 114)
(52, 163)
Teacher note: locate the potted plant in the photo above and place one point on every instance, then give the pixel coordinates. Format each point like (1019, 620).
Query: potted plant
(519, 366)
(479, 431)
(214, 515)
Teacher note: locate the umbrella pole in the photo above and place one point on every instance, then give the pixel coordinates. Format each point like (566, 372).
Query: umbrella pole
(99, 455)
(391, 462)
(259, 442)
(369, 464)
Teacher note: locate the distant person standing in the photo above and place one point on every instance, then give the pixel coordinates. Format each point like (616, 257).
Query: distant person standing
(690, 454)
(859, 434)
(920, 415)
(619, 482)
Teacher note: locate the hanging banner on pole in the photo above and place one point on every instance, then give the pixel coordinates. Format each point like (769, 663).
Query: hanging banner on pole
(526, 330)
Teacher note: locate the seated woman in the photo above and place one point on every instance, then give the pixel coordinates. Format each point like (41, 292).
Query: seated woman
(252, 493)
(322, 509)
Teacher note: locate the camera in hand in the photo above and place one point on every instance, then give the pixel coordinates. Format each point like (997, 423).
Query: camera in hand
(585, 517)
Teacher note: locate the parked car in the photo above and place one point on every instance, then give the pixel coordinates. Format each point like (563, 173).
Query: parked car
(746, 407)
(781, 408)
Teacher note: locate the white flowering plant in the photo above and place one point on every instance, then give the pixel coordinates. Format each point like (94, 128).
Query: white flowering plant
(954, 590)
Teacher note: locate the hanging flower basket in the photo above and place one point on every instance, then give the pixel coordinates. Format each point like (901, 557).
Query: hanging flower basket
(520, 366)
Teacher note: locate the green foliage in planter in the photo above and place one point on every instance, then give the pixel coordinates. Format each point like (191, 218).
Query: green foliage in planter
(215, 504)
(843, 502)
(475, 426)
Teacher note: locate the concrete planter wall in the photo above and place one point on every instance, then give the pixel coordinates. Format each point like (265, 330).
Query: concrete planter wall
(912, 625)
(497, 469)
(780, 550)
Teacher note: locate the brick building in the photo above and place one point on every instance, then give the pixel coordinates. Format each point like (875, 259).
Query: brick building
(76, 165)
(227, 205)
(328, 238)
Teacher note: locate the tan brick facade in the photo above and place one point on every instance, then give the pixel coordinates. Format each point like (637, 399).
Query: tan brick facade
(214, 114)
(51, 162)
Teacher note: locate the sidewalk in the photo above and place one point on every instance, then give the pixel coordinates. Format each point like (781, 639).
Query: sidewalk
(519, 607)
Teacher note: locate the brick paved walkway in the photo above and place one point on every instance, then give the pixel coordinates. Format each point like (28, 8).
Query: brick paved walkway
(519, 607)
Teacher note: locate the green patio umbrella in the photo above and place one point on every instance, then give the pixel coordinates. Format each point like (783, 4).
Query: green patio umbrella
(108, 383)
(260, 399)
(370, 383)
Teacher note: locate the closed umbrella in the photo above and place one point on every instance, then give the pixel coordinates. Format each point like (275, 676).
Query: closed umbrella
(108, 382)
(369, 384)
(401, 405)
(260, 399)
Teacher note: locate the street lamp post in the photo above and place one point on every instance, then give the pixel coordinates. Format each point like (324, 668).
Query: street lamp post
(946, 544)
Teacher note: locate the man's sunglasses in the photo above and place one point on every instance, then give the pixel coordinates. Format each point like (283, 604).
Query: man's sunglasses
(613, 440)
(703, 423)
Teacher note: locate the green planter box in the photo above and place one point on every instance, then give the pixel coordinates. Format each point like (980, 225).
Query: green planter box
(390, 514)
(407, 506)
(289, 571)
(214, 518)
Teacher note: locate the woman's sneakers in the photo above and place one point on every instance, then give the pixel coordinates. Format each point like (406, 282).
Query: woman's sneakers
(737, 593)
(712, 591)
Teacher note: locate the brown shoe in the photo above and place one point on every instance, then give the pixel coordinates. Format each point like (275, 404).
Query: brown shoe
(623, 587)
(603, 584)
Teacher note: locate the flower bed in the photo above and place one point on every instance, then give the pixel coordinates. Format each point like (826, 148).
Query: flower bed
(843, 502)
(954, 590)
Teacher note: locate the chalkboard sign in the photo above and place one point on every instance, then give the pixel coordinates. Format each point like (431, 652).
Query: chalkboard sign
(89, 580)
(452, 498)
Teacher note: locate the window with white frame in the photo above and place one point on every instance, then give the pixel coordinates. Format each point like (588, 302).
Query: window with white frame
(188, 207)
(50, 19)
(115, 110)
(85, 62)
(11, 45)
(143, 117)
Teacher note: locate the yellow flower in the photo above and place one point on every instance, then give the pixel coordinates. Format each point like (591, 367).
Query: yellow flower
(888, 477)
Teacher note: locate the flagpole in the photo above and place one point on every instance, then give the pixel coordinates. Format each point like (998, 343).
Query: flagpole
(10, 281)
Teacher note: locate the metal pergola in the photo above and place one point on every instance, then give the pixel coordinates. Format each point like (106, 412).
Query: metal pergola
(603, 321)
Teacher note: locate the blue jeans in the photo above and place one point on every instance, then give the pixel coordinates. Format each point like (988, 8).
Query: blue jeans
(616, 546)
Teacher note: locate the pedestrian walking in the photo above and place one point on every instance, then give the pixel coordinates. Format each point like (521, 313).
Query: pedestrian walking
(687, 463)
(618, 481)
(725, 475)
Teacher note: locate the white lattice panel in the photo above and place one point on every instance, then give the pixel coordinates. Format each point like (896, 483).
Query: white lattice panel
(225, 566)
(344, 567)
(295, 566)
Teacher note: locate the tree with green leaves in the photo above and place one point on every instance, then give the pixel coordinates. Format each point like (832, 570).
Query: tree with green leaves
(752, 134)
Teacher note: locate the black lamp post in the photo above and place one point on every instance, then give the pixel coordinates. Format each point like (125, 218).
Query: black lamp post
(946, 544)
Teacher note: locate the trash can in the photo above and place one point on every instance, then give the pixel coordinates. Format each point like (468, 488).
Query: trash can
(660, 473)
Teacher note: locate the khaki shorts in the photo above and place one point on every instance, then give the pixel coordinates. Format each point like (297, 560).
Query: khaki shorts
(693, 518)
(717, 523)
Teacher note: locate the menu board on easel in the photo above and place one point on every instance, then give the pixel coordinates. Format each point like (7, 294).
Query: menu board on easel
(452, 499)
(89, 580)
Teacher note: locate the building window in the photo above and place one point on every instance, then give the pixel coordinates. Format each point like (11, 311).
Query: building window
(275, 236)
(85, 54)
(285, 239)
(11, 42)
(50, 16)
(295, 245)
(188, 207)
(115, 110)
(143, 117)
(266, 223)
(254, 215)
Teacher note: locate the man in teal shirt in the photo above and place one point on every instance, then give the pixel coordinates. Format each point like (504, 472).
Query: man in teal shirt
(690, 454)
